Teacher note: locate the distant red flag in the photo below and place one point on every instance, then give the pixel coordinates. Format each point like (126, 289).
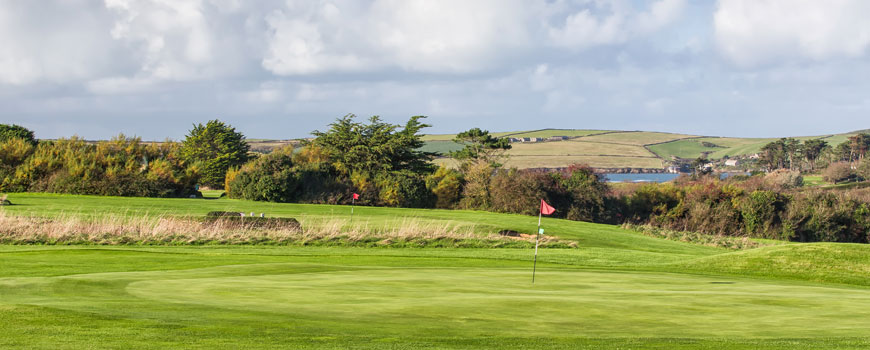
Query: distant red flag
(546, 209)
(355, 196)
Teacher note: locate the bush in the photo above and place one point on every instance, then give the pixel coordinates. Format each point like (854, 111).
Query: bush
(476, 193)
(761, 212)
(864, 170)
(8, 132)
(520, 192)
(585, 192)
(446, 184)
(404, 189)
(783, 179)
(119, 167)
(267, 178)
(839, 172)
(826, 217)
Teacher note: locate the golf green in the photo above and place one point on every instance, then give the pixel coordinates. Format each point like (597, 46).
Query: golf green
(485, 301)
(292, 297)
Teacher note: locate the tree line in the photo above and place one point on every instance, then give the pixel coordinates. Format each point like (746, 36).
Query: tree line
(793, 154)
(122, 166)
(383, 163)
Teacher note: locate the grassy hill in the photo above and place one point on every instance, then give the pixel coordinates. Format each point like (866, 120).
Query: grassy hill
(617, 289)
(617, 149)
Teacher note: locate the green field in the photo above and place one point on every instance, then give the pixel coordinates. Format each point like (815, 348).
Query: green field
(618, 289)
(617, 149)
(545, 133)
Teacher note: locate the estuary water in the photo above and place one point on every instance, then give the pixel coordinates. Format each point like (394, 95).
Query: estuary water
(658, 177)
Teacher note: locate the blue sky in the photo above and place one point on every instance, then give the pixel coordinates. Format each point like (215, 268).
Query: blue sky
(280, 69)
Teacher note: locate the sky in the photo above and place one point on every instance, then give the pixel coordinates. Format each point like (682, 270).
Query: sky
(280, 69)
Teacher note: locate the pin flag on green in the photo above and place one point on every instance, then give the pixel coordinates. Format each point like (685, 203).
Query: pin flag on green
(546, 209)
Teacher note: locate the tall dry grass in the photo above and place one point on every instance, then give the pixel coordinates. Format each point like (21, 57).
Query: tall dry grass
(146, 229)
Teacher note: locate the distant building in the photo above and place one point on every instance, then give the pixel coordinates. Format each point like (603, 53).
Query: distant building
(514, 139)
(537, 139)
(558, 138)
(755, 156)
(732, 162)
(526, 139)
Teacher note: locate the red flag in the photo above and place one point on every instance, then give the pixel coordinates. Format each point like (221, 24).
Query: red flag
(355, 196)
(546, 209)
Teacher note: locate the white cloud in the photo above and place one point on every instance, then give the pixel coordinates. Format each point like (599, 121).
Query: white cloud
(613, 22)
(414, 35)
(751, 32)
(54, 42)
(173, 37)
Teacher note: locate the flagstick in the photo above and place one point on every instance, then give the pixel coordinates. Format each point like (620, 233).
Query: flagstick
(538, 233)
(352, 204)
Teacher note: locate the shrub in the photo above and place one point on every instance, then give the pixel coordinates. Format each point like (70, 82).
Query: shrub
(404, 189)
(761, 212)
(864, 170)
(267, 178)
(446, 184)
(476, 193)
(8, 132)
(120, 167)
(838, 172)
(520, 192)
(13, 152)
(784, 179)
(826, 217)
(585, 192)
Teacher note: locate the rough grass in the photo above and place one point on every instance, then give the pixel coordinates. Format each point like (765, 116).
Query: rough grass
(113, 229)
(734, 243)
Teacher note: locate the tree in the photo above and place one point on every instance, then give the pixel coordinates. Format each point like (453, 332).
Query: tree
(859, 145)
(374, 148)
(9, 131)
(699, 166)
(792, 149)
(480, 146)
(781, 153)
(217, 146)
(772, 154)
(812, 149)
(842, 153)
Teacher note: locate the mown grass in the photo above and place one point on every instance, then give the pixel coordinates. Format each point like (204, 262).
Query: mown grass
(273, 297)
(617, 289)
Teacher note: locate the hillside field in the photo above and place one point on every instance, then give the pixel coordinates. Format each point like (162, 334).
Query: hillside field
(617, 289)
(616, 149)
